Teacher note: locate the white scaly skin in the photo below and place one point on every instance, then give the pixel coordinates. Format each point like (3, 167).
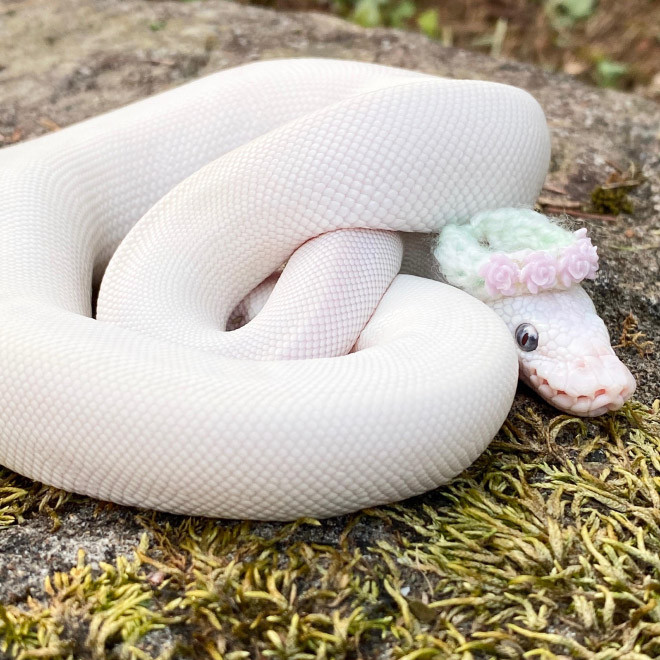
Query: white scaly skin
(209, 188)
(573, 367)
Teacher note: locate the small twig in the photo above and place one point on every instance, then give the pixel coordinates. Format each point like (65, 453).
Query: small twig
(614, 166)
(630, 183)
(14, 137)
(555, 189)
(153, 60)
(569, 204)
(579, 214)
(49, 124)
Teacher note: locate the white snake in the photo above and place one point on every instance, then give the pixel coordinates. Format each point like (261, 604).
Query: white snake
(153, 404)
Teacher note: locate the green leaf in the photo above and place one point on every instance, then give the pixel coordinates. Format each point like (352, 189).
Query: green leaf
(608, 73)
(564, 13)
(401, 13)
(578, 9)
(428, 23)
(367, 13)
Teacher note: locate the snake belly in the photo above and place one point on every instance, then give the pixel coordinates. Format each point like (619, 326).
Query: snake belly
(209, 188)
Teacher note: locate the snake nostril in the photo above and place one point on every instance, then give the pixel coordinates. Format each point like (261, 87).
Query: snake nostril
(600, 392)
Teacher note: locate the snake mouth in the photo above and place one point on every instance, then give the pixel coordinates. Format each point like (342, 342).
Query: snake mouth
(592, 404)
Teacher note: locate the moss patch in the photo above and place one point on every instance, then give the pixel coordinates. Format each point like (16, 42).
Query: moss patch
(548, 546)
(611, 201)
(612, 197)
(20, 496)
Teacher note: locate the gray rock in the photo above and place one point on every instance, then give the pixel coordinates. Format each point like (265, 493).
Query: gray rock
(65, 60)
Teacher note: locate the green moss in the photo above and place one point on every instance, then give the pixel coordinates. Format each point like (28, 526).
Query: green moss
(549, 546)
(20, 496)
(611, 201)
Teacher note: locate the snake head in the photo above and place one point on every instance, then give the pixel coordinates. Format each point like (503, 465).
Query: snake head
(564, 351)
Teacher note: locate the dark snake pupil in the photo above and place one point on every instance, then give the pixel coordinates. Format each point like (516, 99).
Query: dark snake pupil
(524, 339)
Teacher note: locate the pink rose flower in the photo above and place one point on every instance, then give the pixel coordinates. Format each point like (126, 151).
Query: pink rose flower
(578, 261)
(500, 275)
(539, 271)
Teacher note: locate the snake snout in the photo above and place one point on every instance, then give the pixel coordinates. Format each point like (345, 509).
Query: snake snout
(586, 387)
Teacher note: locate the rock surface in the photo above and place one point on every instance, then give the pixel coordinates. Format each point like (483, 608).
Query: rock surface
(65, 60)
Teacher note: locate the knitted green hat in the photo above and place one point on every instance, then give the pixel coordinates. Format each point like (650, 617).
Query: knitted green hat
(514, 251)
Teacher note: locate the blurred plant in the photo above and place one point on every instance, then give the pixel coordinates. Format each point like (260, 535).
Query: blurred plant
(429, 23)
(495, 39)
(402, 13)
(368, 13)
(609, 73)
(374, 13)
(565, 13)
(585, 38)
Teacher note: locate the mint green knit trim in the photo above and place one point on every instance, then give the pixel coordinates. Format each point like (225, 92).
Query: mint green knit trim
(461, 250)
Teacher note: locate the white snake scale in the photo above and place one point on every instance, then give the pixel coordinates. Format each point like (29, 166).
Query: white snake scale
(149, 404)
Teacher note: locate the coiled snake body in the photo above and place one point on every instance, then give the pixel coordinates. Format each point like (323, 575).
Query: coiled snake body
(152, 403)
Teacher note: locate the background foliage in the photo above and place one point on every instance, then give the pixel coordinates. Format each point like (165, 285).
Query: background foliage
(607, 42)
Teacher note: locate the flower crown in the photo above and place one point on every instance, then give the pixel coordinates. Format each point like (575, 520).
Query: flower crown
(510, 252)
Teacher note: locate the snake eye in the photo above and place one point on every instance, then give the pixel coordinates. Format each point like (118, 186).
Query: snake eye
(527, 337)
